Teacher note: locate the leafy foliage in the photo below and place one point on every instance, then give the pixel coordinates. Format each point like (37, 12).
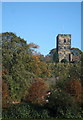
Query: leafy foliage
(16, 56)
(6, 100)
(54, 55)
(62, 105)
(26, 76)
(37, 92)
(25, 110)
(74, 87)
(76, 51)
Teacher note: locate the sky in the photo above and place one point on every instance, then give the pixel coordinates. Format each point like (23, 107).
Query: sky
(41, 22)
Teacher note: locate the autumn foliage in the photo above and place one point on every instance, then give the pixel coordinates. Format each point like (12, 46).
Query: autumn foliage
(37, 92)
(27, 76)
(74, 87)
(33, 45)
(40, 68)
(5, 94)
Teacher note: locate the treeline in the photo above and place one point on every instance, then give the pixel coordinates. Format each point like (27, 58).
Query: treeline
(34, 86)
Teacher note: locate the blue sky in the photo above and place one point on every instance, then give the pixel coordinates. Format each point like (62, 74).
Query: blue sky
(42, 22)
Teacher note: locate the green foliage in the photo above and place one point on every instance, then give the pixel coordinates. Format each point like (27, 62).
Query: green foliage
(76, 51)
(16, 57)
(64, 71)
(61, 105)
(25, 110)
(22, 65)
(54, 55)
(75, 70)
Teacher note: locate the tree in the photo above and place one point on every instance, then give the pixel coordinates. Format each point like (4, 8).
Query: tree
(33, 45)
(74, 88)
(54, 55)
(16, 58)
(6, 100)
(76, 51)
(61, 105)
(39, 67)
(48, 58)
(37, 92)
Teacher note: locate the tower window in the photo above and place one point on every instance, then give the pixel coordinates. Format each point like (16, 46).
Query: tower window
(64, 47)
(64, 40)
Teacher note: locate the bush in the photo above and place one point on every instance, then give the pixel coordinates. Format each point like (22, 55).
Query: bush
(17, 111)
(25, 110)
(62, 105)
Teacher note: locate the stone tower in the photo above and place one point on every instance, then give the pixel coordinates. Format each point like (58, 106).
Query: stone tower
(63, 47)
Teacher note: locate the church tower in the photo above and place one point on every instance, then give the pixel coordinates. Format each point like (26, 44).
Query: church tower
(63, 46)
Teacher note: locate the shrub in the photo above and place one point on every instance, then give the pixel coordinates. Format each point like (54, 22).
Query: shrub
(25, 110)
(62, 105)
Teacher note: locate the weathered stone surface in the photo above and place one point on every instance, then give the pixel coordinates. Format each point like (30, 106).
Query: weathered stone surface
(63, 46)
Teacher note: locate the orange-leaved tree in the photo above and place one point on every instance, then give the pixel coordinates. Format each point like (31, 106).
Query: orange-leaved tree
(37, 92)
(39, 68)
(74, 88)
(5, 95)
